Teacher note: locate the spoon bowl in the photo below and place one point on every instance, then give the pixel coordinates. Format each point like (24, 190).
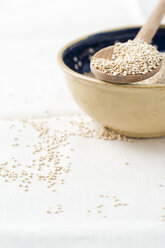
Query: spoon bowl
(106, 53)
(146, 33)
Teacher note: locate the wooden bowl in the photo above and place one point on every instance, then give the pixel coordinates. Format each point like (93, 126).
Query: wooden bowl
(130, 109)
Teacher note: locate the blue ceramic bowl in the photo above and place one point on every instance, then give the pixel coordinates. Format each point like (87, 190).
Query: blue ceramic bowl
(136, 110)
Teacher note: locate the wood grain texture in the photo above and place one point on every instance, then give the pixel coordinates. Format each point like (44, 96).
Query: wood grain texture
(150, 28)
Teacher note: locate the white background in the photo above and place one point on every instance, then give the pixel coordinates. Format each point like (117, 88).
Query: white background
(32, 85)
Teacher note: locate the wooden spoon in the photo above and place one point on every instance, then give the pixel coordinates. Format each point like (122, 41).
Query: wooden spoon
(146, 34)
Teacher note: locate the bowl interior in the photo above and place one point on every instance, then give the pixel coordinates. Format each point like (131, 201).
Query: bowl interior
(77, 56)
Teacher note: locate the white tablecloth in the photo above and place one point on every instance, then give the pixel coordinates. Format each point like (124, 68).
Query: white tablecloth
(32, 88)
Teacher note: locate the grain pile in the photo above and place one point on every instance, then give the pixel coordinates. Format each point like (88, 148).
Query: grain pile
(133, 57)
(158, 78)
(39, 155)
(45, 161)
(49, 156)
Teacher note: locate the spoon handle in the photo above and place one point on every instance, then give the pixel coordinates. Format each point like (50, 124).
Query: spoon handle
(148, 31)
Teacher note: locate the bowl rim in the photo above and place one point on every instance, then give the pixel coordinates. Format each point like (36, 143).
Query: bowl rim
(95, 81)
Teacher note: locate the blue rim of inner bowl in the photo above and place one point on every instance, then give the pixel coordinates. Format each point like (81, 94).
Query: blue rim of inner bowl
(76, 56)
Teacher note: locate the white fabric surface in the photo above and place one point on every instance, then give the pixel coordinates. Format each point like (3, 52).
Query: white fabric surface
(32, 85)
